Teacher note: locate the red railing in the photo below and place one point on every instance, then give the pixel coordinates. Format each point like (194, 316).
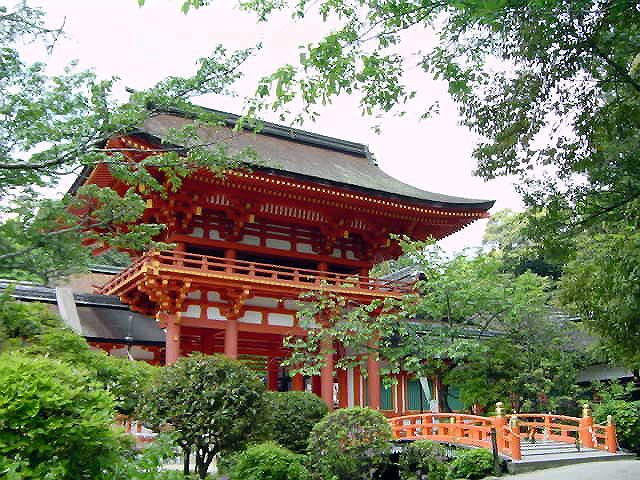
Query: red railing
(561, 428)
(196, 264)
(140, 433)
(476, 431)
(444, 427)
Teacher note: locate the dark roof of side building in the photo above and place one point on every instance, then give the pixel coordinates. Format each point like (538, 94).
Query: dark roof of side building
(103, 318)
(304, 155)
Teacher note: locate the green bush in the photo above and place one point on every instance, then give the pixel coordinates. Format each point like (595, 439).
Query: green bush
(422, 460)
(54, 423)
(349, 444)
(291, 416)
(473, 464)
(268, 461)
(212, 404)
(626, 416)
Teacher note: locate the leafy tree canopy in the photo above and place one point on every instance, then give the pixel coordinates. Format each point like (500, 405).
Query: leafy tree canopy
(212, 403)
(551, 88)
(507, 234)
(56, 125)
(462, 309)
(54, 422)
(32, 329)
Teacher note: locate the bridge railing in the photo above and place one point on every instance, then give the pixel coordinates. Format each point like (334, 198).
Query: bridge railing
(474, 430)
(140, 433)
(562, 428)
(458, 428)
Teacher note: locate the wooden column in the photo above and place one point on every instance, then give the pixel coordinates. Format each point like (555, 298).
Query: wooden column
(316, 385)
(297, 383)
(206, 342)
(373, 379)
(231, 338)
(357, 381)
(272, 374)
(343, 392)
(326, 373)
(172, 338)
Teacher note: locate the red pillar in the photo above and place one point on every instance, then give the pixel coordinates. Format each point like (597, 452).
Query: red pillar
(315, 385)
(586, 427)
(356, 386)
(343, 391)
(172, 339)
(206, 342)
(326, 373)
(231, 338)
(272, 374)
(373, 379)
(297, 383)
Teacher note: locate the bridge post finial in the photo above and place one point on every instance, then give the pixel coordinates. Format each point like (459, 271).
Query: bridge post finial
(586, 410)
(500, 409)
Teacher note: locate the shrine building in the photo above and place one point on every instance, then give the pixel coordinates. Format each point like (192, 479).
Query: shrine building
(313, 212)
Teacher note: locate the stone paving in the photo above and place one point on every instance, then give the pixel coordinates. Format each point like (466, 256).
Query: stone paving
(618, 470)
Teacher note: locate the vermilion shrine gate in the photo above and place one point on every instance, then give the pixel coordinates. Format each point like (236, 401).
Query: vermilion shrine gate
(315, 209)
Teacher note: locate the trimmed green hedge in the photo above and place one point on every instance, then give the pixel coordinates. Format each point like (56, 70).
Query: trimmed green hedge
(349, 444)
(268, 461)
(626, 416)
(473, 464)
(423, 460)
(290, 417)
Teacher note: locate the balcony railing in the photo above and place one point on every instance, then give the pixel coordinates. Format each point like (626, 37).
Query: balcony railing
(195, 265)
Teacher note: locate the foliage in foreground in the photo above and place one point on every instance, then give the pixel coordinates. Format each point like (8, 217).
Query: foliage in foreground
(615, 401)
(33, 329)
(423, 460)
(290, 417)
(349, 444)
(473, 464)
(211, 403)
(269, 461)
(54, 421)
(626, 416)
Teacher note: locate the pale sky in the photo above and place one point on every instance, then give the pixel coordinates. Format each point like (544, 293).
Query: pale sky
(143, 45)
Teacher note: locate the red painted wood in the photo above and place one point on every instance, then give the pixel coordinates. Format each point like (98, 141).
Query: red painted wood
(231, 339)
(326, 373)
(172, 339)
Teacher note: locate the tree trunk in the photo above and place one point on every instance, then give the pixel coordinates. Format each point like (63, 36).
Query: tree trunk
(187, 454)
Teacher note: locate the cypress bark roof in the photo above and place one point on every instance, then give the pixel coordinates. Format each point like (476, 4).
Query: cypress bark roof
(305, 155)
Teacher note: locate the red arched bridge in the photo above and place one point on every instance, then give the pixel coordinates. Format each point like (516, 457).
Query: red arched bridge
(510, 431)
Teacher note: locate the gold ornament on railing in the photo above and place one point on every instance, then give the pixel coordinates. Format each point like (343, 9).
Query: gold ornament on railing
(609, 420)
(500, 409)
(586, 411)
(513, 421)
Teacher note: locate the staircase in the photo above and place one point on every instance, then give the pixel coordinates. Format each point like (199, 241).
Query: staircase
(548, 454)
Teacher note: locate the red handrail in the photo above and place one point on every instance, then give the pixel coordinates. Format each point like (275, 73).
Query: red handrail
(191, 262)
(475, 430)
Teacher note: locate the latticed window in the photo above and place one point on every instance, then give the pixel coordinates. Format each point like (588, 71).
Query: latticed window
(386, 396)
(417, 398)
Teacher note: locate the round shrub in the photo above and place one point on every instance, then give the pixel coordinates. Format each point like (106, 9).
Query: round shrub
(54, 422)
(268, 461)
(422, 460)
(626, 416)
(349, 444)
(472, 464)
(291, 416)
(212, 404)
